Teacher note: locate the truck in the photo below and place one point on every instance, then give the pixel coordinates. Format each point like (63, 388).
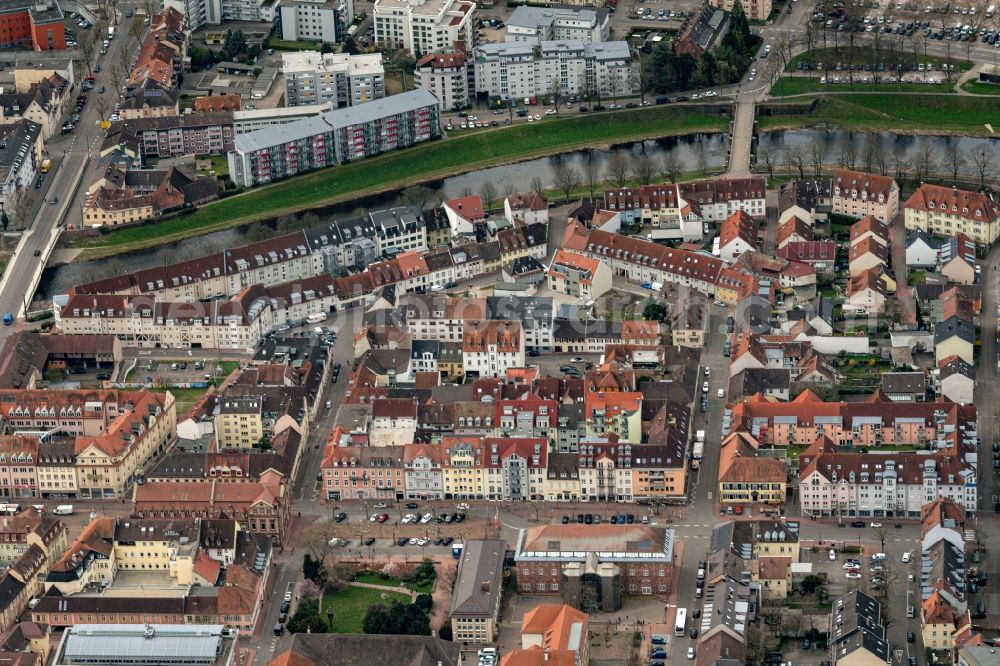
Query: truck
(698, 450)
(656, 286)
(316, 318)
(46, 165)
(63, 510)
(111, 32)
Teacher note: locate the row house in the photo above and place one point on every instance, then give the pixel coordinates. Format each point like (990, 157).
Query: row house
(957, 260)
(875, 422)
(154, 138)
(527, 417)
(857, 194)
(225, 274)
(832, 483)
(360, 472)
(746, 477)
(440, 317)
(85, 413)
(719, 199)
(737, 234)
(491, 348)
(660, 208)
(618, 413)
(18, 466)
(945, 211)
(645, 261)
(30, 528)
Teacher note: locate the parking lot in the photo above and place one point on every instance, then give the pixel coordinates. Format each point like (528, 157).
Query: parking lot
(179, 372)
(956, 21)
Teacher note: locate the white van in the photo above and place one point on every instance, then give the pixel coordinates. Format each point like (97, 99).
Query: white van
(63, 510)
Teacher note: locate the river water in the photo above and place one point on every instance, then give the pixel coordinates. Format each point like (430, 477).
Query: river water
(905, 147)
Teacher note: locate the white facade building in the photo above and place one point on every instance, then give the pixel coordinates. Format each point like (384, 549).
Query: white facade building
(514, 71)
(534, 25)
(338, 79)
(446, 76)
(425, 26)
(316, 20)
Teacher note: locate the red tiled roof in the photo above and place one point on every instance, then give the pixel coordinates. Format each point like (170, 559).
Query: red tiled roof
(975, 206)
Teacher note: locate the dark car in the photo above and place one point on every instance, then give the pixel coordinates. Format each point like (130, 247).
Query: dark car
(341, 517)
(589, 519)
(401, 541)
(565, 520)
(103, 376)
(37, 253)
(369, 541)
(912, 661)
(657, 653)
(584, 109)
(438, 541)
(579, 518)
(805, 644)
(614, 520)
(696, 613)
(600, 107)
(629, 518)
(910, 637)
(285, 605)
(694, 632)
(534, 353)
(459, 517)
(858, 523)
(447, 541)
(658, 640)
(411, 505)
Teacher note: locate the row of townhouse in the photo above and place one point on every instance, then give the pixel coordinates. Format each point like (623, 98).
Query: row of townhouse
(237, 324)
(505, 468)
(875, 422)
(844, 484)
(160, 61)
(313, 255)
(104, 440)
(682, 211)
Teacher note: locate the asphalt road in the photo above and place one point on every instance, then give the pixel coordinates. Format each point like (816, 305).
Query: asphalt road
(70, 154)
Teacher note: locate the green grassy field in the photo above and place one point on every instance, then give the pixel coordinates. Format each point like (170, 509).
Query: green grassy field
(399, 169)
(981, 88)
(864, 54)
(350, 605)
(936, 114)
(375, 579)
(797, 85)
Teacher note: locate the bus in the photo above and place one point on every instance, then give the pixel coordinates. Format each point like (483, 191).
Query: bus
(680, 624)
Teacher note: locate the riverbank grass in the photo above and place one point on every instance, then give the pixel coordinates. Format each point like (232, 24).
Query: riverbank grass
(977, 88)
(930, 114)
(861, 55)
(798, 85)
(422, 163)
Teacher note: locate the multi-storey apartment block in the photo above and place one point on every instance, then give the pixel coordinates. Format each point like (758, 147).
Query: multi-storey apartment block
(857, 194)
(446, 76)
(945, 211)
(337, 79)
(515, 71)
(425, 26)
(324, 21)
(333, 138)
(534, 25)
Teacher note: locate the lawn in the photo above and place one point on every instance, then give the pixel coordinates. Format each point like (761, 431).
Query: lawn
(978, 88)
(861, 55)
(375, 579)
(288, 45)
(422, 163)
(934, 114)
(350, 605)
(797, 85)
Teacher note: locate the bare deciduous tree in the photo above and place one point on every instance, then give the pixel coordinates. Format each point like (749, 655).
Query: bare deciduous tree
(797, 159)
(984, 167)
(488, 193)
(816, 153)
(953, 159)
(567, 178)
(537, 185)
(645, 171)
(923, 165)
(18, 207)
(672, 167)
(847, 153)
(618, 169)
(768, 159)
(591, 176)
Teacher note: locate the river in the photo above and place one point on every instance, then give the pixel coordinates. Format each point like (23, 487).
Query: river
(693, 152)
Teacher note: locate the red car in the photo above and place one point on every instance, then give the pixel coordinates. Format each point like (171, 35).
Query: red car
(384, 517)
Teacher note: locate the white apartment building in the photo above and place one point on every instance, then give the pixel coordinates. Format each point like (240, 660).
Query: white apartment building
(337, 79)
(425, 26)
(214, 12)
(446, 76)
(513, 71)
(491, 348)
(945, 211)
(534, 25)
(316, 20)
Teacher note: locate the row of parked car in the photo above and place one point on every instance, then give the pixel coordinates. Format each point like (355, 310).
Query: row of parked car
(596, 519)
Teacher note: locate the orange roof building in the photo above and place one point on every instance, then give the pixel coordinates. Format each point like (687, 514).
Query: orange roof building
(552, 635)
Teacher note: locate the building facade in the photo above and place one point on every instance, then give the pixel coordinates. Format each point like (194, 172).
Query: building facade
(337, 79)
(425, 26)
